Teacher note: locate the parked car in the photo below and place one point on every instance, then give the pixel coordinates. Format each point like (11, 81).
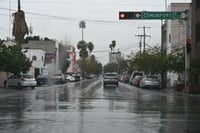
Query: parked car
(124, 78)
(110, 78)
(77, 77)
(20, 81)
(58, 78)
(136, 80)
(43, 80)
(133, 76)
(150, 82)
(70, 78)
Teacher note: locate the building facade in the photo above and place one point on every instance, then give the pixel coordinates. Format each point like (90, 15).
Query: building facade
(37, 56)
(177, 28)
(48, 52)
(114, 57)
(72, 59)
(174, 37)
(195, 29)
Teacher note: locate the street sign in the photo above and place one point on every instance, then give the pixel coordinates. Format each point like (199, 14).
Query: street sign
(150, 15)
(161, 15)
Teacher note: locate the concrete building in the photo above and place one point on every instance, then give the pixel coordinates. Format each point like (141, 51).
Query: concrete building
(196, 34)
(114, 57)
(48, 52)
(37, 56)
(178, 27)
(72, 58)
(174, 37)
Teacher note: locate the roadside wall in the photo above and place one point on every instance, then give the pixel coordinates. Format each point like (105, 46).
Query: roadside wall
(3, 77)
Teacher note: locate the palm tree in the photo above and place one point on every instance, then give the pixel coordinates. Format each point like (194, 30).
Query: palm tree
(90, 46)
(112, 45)
(20, 28)
(82, 46)
(82, 26)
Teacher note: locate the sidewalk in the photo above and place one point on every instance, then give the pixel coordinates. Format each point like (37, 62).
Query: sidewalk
(179, 93)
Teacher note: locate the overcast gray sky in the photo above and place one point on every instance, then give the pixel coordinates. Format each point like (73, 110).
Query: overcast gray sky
(59, 19)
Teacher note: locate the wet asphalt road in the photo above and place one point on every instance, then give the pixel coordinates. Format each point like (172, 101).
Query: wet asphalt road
(88, 107)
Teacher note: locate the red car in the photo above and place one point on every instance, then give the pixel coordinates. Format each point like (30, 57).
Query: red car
(136, 80)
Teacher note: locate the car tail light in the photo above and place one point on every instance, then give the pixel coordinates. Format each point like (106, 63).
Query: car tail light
(22, 79)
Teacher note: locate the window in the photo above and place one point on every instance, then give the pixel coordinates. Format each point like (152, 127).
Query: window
(34, 58)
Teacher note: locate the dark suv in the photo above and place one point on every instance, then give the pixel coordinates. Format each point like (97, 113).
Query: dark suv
(110, 78)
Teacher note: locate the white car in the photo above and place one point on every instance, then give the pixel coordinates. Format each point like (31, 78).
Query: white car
(150, 82)
(58, 78)
(20, 81)
(110, 78)
(70, 78)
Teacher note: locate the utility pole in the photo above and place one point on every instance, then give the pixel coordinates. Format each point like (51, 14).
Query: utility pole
(187, 55)
(140, 42)
(144, 36)
(19, 5)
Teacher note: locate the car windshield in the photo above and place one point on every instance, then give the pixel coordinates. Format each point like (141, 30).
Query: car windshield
(42, 76)
(28, 76)
(110, 75)
(152, 78)
(139, 74)
(57, 75)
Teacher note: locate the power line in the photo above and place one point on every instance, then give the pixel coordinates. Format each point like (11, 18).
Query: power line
(65, 18)
(85, 3)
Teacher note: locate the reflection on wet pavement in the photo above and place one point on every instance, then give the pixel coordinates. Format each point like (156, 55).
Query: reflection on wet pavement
(88, 107)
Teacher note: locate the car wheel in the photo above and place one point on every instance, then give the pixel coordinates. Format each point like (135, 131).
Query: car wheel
(19, 86)
(104, 85)
(5, 84)
(32, 87)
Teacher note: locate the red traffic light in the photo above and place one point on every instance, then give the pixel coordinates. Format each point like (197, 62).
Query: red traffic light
(126, 15)
(188, 45)
(122, 15)
(188, 41)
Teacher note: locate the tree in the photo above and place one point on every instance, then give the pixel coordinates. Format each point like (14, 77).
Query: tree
(83, 53)
(82, 26)
(155, 63)
(90, 46)
(13, 59)
(110, 67)
(1, 55)
(112, 45)
(20, 27)
(91, 65)
(98, 69)
(82, 46)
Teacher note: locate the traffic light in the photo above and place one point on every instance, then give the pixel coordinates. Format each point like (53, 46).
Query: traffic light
(126, 15)
(188, 45)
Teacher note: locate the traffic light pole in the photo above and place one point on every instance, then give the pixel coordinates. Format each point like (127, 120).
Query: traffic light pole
(187, 55)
